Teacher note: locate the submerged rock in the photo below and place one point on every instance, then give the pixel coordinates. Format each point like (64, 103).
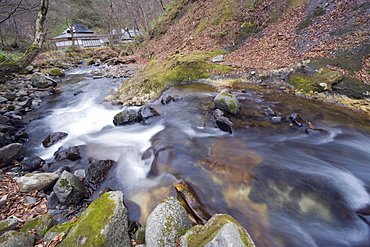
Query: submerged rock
(104, 223)
(227, 102)
(69, 189)
(166, 223)
(221, 230)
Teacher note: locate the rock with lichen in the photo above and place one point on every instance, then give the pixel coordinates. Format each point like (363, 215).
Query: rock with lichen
(220, 230)
(69, 189)
(104, 223)
(17, 239)
(166, 223)
(41, 224)
(227, 102)
(36, 181)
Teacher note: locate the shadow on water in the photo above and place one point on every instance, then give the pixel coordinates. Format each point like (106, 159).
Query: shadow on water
(286, 185)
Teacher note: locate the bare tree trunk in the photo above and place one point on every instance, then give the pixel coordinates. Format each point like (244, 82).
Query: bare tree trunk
(34, 49)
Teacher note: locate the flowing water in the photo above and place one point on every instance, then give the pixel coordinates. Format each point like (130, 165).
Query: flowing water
(286, 187)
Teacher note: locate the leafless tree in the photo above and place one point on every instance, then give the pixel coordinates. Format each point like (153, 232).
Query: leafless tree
(36, 46)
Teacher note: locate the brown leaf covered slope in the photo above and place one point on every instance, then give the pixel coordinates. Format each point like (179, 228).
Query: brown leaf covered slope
(265, 34)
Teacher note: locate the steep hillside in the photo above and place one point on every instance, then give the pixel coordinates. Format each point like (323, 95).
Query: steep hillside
(266, 34)
(321, 48)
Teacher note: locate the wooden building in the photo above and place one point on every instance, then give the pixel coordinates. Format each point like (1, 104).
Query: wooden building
(82, 38)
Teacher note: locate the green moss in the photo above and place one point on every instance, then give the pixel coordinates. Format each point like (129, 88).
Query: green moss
(201, 235)
(42, 224)
(56, 72)
(89, 226)
(179, 68)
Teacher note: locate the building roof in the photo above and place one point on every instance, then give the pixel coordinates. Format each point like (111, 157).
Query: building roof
(78, 28)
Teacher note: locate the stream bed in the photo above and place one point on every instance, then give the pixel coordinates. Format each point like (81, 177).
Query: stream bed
(288, 185)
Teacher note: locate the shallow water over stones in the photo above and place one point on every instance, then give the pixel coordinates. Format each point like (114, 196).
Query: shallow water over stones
(288, 185)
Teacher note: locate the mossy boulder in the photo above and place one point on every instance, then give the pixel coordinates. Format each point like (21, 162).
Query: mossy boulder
(315, 80)
(149, 84)
(41, 224)
(225, 101)
(58, 229)
(56, 72)
(17, 239)
(104, 223)
(166, 223)
(220, 230)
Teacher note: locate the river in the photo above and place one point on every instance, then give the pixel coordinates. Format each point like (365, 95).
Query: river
(285, 186)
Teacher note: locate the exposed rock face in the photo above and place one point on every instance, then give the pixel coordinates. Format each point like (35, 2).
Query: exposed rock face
(17, 239)
(104, 223)
(41, 224)
(166, 223)
(69, 189)
(38, 181)
(42, 81)
(53, 138)
(9, 153)
(221, 230)
(227, 102)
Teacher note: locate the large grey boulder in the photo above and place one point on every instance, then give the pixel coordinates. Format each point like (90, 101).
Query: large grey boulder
(69, 189)
(41, 224)
(227, 102)
(8, 225)
(167, 222)
(42, 81)
(36, 181)
(104, 223)
(17, 239)
(9, 153)
(221, 230)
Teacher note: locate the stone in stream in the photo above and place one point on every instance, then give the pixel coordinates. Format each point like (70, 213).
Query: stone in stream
(32, 163)
(53, 138)
(36, 181)
(127, 116)
(227, 102)
(221, 230)
(224, 124)
(167, 222)
(297, 119)
(147, 113)
(104, 223)
(69, 189)
(96, 172)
